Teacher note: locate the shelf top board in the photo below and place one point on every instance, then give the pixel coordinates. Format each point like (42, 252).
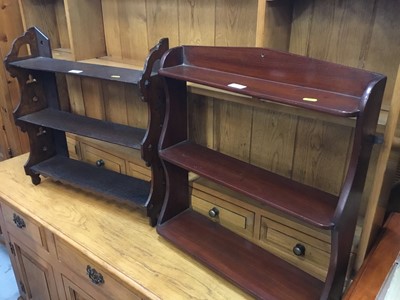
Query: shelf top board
(101, 130)
(303, 202)
(80, 69)
(274, 76)
(260, 273)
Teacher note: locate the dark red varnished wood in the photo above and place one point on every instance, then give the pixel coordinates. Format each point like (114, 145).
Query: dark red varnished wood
(283, 78)
(262, 274)
(308, 204)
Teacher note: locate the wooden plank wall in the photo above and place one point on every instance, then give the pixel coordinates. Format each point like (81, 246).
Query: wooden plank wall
(12, 141)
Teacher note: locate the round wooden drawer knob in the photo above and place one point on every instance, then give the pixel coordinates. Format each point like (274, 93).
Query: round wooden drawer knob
(299, 250)
(214, 212)
(100, 163)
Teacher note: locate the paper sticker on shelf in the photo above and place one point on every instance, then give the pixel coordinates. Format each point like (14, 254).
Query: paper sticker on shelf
(310, 99)
(237, 86)
(75, 71)
(115, 76)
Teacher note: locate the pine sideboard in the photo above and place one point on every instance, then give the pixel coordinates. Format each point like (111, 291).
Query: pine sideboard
(69, 244)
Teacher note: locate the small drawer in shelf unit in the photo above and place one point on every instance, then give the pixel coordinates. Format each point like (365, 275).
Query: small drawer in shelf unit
(24, 228)
(95, 275)
(102, 159)
(294, 246)
(229, 215)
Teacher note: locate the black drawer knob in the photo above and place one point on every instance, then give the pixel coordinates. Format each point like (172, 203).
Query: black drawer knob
(213, 212)
(18, 221)
(100, 163)
(94, 276)
(299, 250)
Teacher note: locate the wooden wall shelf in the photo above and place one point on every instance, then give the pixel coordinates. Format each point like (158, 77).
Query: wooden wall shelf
(40, 114)
(286, 79)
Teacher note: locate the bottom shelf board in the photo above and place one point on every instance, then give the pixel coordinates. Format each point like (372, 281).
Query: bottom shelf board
(100, 181)
(255, 270)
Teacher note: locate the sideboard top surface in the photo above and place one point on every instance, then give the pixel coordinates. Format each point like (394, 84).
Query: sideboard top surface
(115, 236)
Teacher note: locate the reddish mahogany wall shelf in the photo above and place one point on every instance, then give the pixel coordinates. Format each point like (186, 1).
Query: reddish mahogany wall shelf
(287, 79)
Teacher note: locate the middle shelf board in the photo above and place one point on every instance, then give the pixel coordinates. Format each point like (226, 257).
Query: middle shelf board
(303, 202)
(80, 69)
(123, 188)
(101, 130)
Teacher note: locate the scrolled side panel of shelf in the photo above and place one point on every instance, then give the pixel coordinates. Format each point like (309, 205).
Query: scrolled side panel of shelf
(36, 89)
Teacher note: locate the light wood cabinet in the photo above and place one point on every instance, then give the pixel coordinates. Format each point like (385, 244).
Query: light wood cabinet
(69, 233)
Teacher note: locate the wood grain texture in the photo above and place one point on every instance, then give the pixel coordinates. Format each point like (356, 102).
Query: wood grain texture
(112, 30)
(383, 52)
(93, 98)
(11, 138)
(233, 123)
(273, 141)
(197, 22)
(136, 110)
(132, 22)
(116, 237)
(201, 120)
(236, 22)
(115, 102)
(162, 21)
(85, 28)
(318, 155)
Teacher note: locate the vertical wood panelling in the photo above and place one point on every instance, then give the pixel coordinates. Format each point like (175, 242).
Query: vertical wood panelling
(273, 141)
(136, 109)
(301, 26)
(278, 21)
(132, 22)
(333, 36)
(85, 27)
(40, 13)
(162, 21)
(76, 95)
(321, 154)
(115, 102)
(197, 22)
(59, 10)
(201, 120)
(93, 98)
(383, 53)
(233, 130)
(10, 136)
(112, 31)
(236, 22)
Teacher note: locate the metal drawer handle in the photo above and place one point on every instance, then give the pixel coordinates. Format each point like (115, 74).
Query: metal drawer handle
(94, 276)
(100, 163)
(19, 221)
(299, 250)
(214, 212)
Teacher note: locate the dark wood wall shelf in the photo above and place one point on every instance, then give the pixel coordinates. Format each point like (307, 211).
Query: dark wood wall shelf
(39, 114)
(287, 79)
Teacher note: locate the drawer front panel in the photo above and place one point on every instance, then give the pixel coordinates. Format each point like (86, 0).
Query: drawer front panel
(23, 227)
(102, 159)
(139, 171)
(92, 273)
(296, 247)
(233, 217)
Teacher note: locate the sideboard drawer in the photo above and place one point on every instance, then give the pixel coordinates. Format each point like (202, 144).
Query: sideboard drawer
(91, 272)
(23, 227)
(295, 246)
